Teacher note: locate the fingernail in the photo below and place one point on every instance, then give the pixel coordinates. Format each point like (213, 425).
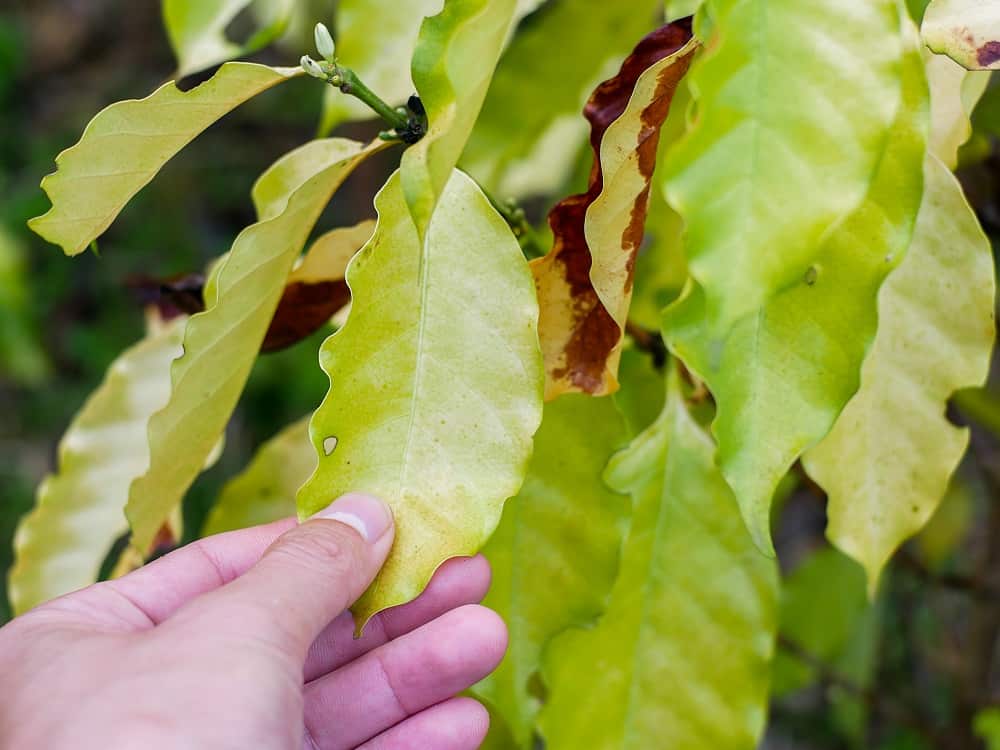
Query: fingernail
(367, 515)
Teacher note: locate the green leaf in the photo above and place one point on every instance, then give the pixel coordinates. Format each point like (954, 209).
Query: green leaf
(823, 602)
(435, 386)
(681, 658)
(61, 544)
(21, 356)
(987, 727)
(562, 534)
(955, 92)
(529, 132)
(265, 490)
(197, 30)
(126, 144)
(453, 63)
(681, 8)
(785, 140)
(887, 461)
(784, 372)
(376, 39)
(968, 31)
(221, 344)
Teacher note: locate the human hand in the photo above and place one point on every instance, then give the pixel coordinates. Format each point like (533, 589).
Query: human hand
(242, 641)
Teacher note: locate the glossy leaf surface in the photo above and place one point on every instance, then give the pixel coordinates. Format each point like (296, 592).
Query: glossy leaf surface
(453, 63)
(681, 658)
(784, 372)
(562, 533)
(126, 144)
(935, 336)
(584, 284)
(61, 544)
(968, 31)
(221, 343)
(435, 386)
(795, 102)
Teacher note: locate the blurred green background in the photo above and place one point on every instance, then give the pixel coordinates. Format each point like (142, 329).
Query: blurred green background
(849, 673)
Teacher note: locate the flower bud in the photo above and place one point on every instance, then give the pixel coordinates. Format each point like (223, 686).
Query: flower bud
(324, 42)
(311, 67)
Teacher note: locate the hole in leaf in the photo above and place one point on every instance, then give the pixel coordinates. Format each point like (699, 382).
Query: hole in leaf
(329, 445)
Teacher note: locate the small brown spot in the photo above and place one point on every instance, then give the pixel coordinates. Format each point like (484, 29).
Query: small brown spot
(988, 54)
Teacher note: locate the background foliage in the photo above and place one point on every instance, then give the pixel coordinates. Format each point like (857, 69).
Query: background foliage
(906, 670)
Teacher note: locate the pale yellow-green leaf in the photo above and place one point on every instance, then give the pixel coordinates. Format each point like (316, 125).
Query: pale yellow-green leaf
(784, 372)
(328, 256)
(375, 38)
(453, 63)
(435, 384)
(681, 659)
(680, 8)
(197, 31)
(265, 490)
(955, 92)
(530, 130)
(61, 544)
(795, 102)
(968, 31)
(126, 144)
(555, 554)
(222, 343)
(887, 461)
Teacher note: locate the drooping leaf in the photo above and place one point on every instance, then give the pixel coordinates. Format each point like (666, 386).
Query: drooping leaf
(583, 308)
(265, 490)
(954, 95)
(681, 658)
(316, 289)
(197, 30)
(435, 384)
(562, 534)
(456, 53)
(376, 39)
(887, 461)
(530, 131)
(784, 372)
(222, 343)
(61, 544)
(968, 31)
(785, 140)
(126, 144)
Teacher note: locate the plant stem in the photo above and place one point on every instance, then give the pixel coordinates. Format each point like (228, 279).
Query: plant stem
(350, 84)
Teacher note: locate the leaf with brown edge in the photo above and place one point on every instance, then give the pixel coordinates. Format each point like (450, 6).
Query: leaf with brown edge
(584, 285)
(314, 293)
(968, 31)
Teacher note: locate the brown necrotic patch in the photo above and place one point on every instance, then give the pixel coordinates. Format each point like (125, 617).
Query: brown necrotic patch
(595, 334)
(988, 54)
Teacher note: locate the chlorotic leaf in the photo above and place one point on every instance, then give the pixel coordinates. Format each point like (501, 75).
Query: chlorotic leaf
(784, 372)
(529, 132)
(784, 142)
(955, 92)
(375, 39)
(583, 308)
(887, 461)
(221, 344)
(197, 30)
(563, 508)
(968, 31)
(126, 144)
(435, 387)
(453, 63)
(681, 659)
(61, 544)
(265, 490)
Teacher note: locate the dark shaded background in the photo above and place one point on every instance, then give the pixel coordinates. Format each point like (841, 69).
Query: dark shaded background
(929, 641)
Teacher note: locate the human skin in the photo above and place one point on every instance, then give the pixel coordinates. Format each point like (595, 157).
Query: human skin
(243, 640)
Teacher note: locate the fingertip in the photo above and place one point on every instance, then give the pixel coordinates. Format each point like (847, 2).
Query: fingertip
(368, 515)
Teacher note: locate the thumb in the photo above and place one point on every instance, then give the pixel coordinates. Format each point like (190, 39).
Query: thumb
(308, 576)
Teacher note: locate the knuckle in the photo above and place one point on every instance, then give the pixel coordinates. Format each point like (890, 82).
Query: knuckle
(323, 546)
